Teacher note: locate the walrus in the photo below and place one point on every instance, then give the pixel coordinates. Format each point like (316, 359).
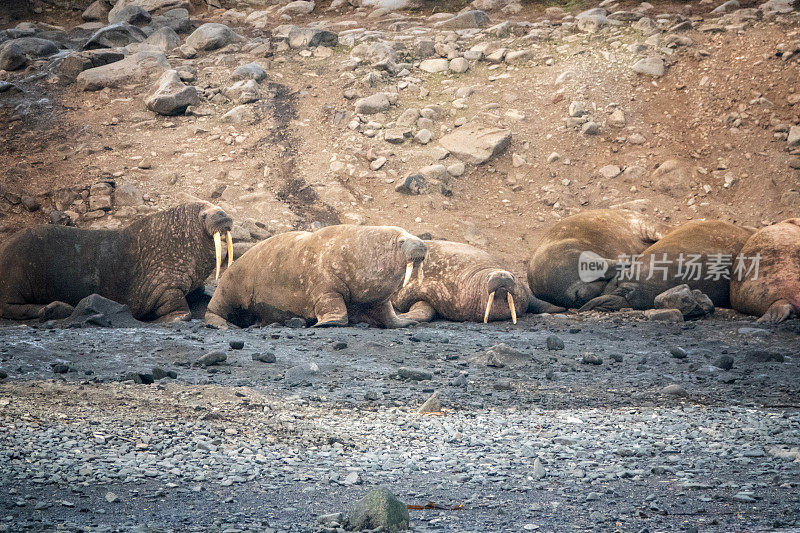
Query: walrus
(462, 283)
(553, 270)
(772, 292)
(150, 266)
(337, 275)
(699, 254)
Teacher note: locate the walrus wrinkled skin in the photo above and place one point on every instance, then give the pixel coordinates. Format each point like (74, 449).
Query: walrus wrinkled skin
(150, 266)
(337, 275)
(774, 294)
(462, 283)
(553, 273)
(661, 263)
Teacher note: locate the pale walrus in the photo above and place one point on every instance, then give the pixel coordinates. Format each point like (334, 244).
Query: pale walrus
(150, 266)
(460, 282)
(553, 271)
(772, 292)
(699, 254)
(337, 275)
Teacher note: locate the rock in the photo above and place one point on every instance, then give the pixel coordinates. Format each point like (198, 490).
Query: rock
(236, 344)
(777, 6)
(413, 374)
(115, 36)
(725, 362)
(130, 14)
(650, 66)
(172, 97)
(164, 39)
(591, 359)
(264, 357)
(16, 53)
(424, 48)
(408, 117)
(678, 353)
(301, 375)
(764, 356)
(250, 71)
(464, 21)
(590, 128)
(578, 109)
(538, 471)
(672, 177)
(459, 65)
(211, 359)
(412, 185)
(296, 322)
(211, 36)
(674, 390)
(690, 303)
(396, 135)
(378, 509)
(592, 23)
(794, 137)
(457, 169)
(434, 65)
(311, 38)
(423, 136)
(134, 68)
(151, 6)
(97, 11)
(175, 19)
(240, 113)
(497, 56)
(298, 7)
(111, 497)
(617, 118)
(664, 315)
(127, 194)
(477, 143)
(377, 103)
(501, 356)
(244, 92)
(730, 5)
(609, 172)
(95, 310)
(432, 405)
(518, 56)
(554, 342)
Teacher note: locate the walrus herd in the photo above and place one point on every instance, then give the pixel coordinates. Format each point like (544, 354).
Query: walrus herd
(603, 260)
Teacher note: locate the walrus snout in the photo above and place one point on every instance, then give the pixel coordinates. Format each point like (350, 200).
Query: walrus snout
(217, 222)
(501, 279)
(414, 251)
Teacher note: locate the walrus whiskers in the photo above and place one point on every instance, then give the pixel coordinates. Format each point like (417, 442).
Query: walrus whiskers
(218, 251)
(513, 308)
(488, 308)
(409, 270)
(229, 239)
(420, 274)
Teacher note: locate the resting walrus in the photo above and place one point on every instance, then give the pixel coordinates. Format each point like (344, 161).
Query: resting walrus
(337, 275)
(150, 266)
(773, 292)
(698, 254)
(553, 270)
(463, 283)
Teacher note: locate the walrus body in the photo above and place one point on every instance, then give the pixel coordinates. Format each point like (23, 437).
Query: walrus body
(150, 266)
(774, 293)
(553, 270)
(458, 283)
(684, 256)
(336, 275)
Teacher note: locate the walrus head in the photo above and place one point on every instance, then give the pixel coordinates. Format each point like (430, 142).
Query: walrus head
(414, 251)
(501, 280)
(216, 223)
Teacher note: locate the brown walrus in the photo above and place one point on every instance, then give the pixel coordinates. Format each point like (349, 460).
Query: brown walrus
(773, 293)
(553, 271)
(699, 254)
(460, 282)
(150, 266)
(336, 275)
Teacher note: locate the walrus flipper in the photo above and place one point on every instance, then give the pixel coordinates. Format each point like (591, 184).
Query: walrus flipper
(21, 311)
(777, 313)
(421, 311)
(213, 319)
(537, 306)
(172, 307)
(606, 302)
(385, 316)
(331, 310)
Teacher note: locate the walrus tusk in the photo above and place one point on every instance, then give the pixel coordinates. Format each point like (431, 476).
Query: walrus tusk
(409, 270)
(513, 308)
(218, 251)
(229, 238)
(488, 308)
(420, 274)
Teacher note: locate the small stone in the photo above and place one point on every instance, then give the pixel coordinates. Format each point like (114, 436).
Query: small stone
(352, 479)
(609, 172)
(590, 128)
(674, 390)
(477, 143)
(459, 65)
(432, 405)
(678, 353)
(725, 362)
(650, 66)
(250, 71)
(552, 158)
(211, 359)
(591, 359)
(457, 169)
(554, 342)
(236, 344)
(414, 374)
(412, 185)
(377, 103)
(111, 497)
(379, 509)
(434, 66)
(295, 322)
(423, 136)
(538, 471)
(264, 357)
(664, 315)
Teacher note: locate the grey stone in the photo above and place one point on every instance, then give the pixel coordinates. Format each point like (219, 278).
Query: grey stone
(115, 36)
(172, 96)
(378, 509)
(432, 405)
(211, 36)
(650, 66)
(554, 343)
(134, 68)
(477, 143)
(212, 358)
(674, 390)
(459, 65)
(465, 20)
(691, 303)
(413, 374)
(244, 92)
(301, 375)
(794, 137)
(130, 14)
(164, 39)
(16, 53)
(311, 38)
(264, 357)
(434, 65)
(664, 315)
(127, 194)
(377, 103)
(250, 71)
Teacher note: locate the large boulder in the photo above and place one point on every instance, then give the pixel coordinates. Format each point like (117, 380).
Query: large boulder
(130, 15)
(311, 38)
(691, 303)
(211, 36)
(97, 11)
(378, 509)
(649, 66)
(176, 19)
(477, 143)
(164, 39)
(172, 96)
(138, 67)
(95, 310)
(298, 7)
(115, 36)
(17, 53)
(464, 21)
